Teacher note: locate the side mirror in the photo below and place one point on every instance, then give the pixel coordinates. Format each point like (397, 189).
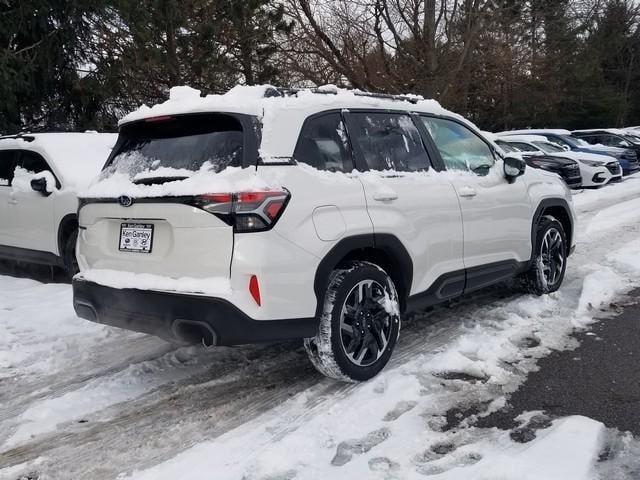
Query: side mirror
(513, 168)
(40, 185)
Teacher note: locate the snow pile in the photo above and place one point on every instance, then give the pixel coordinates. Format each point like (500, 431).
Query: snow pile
(216, 286)
(614, 217)
(598, 289)
(628, 257)
(567, 450)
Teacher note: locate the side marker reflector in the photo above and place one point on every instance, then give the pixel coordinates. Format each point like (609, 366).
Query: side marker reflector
(254, 289)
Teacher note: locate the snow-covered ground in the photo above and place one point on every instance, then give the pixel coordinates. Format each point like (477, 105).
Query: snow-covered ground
(79, 400)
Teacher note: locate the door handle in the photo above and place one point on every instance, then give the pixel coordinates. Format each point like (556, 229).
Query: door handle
(467, 192)
(386, 196)
(13, 201)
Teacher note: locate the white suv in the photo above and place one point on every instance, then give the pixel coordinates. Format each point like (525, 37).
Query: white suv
(264, 215)
(596, 170)
(40, 175)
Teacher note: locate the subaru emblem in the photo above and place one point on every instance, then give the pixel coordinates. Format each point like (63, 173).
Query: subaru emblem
(125, 201)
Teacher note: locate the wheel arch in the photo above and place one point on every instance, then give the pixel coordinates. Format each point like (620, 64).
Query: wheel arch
(67, 225)
(560, 210)
(384, 250)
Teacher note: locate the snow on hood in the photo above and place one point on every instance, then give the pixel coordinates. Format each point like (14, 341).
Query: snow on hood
(76, 157)
(584, 156)
(524, 138)
(604, 148)
(281, 117)
(535, 131)
(615, 131)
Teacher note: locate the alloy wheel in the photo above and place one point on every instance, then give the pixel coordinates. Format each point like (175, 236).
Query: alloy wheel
(365, 323)
(552, 255)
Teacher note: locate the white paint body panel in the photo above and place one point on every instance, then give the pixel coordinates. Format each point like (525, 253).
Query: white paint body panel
(425, 217)
(496, 216)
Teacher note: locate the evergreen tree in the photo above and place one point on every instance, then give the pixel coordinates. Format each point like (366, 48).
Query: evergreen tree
(40, 49)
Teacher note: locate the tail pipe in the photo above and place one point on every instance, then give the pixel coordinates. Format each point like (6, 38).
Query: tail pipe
(193, 332)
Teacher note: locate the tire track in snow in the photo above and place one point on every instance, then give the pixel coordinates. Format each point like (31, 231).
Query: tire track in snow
(283, 371)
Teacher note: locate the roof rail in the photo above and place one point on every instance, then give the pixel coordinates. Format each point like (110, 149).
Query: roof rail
(271, 92)
(387, 96)
(21, 136)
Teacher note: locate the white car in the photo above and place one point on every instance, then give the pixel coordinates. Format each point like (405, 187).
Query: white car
(323, 215)
(40, 175)
(595, 170)
(626, 158)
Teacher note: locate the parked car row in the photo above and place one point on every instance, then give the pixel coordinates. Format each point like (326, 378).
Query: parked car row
(40, 177)
(321, 214)
(602, 156)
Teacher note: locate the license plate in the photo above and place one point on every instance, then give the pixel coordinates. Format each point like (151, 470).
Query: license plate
(136, 237)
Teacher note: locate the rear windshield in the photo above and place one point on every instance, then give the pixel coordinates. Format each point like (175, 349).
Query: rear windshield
(178, 146)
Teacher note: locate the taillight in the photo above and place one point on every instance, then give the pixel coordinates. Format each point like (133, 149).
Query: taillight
(246, 211)
(161, 118)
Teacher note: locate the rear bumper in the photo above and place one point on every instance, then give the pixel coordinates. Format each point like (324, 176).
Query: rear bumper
(182, 318)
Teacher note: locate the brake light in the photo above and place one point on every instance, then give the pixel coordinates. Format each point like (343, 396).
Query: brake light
(254, 289)
(162, 118)
(246, 211)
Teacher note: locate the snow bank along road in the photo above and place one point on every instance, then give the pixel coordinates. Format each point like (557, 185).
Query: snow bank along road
(79, 400)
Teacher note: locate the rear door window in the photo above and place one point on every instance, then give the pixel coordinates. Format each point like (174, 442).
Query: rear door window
(323, 144)
(388, 141)
(178, 146)
(7, 167)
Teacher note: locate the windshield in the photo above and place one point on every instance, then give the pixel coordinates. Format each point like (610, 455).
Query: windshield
(632, 138)
(548, 147)
(506, 147)
(524, 147)
(571, 141)
(176, 147)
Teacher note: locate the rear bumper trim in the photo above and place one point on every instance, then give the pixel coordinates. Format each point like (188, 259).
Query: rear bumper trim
(156, 313)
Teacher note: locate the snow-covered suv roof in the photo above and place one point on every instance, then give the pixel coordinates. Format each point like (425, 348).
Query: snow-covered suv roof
(282, 114)
(76, 157)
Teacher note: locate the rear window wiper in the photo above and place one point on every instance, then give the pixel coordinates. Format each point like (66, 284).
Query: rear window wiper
(157, 180)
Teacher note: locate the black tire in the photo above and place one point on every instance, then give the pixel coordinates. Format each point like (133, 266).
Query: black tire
(547, 268)
(69, 254)
(361, 313)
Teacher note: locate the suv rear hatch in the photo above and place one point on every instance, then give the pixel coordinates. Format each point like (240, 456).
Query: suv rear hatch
(164, 203)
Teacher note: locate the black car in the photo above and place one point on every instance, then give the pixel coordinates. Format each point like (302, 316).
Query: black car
(568, 169)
